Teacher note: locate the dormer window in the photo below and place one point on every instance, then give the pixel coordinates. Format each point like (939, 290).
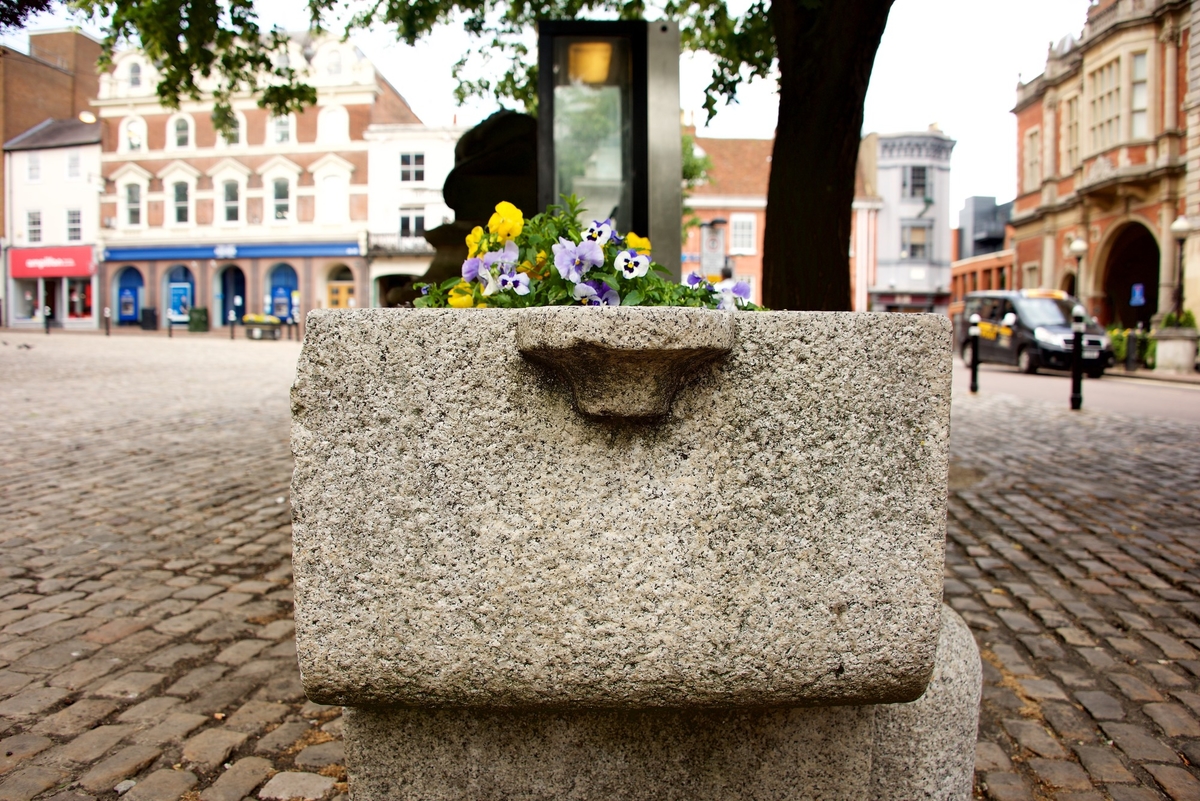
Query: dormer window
(135, 74)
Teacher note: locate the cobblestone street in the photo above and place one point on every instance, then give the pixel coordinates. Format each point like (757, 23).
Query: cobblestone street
(145, 601)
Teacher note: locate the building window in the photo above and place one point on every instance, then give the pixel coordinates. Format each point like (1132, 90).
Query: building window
(180, 189)
(282, 203)
(74, 225)
(231, 201)
(134, 135)
(1105, 105)
(282, 130)
(135, 74)
(742, 234)
(412, 223)
(73, 165)
(412, 166)
(915, 243)
(34, 169)
(916, 182)
(133, 204)
(182, 132)
(1033, 165)
(33, 226)
(234, 137)
(1072, 125)
(1138, 99)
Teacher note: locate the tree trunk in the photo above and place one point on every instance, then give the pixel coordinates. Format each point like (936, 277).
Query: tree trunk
(826, 49)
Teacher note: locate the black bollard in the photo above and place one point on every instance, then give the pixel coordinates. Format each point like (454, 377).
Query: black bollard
(170, 329)
(973, 333)
(46, 318)
(107, 321)
(1133, 344)
(1078, 327)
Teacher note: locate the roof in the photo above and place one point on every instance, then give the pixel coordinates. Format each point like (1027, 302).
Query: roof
(56, 133)
(741, 167)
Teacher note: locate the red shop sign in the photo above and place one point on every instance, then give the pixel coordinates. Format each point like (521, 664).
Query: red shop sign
(72, 262)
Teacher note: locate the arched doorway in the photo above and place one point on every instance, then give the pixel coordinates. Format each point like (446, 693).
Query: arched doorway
(1068, 284)
(129, 293)
(283, 300)
(340, 288)
(180, 293)
(1131, 275)
(231, 289)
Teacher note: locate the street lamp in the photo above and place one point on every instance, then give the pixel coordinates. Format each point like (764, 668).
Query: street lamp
(1180, 230)
(1078, 249)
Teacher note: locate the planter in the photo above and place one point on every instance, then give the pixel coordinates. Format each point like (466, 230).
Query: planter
(198, 320)
(262, 330)
(559, 539)
(1175, 350)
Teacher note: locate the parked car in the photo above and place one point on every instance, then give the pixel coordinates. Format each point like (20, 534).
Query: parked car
(1031, 328)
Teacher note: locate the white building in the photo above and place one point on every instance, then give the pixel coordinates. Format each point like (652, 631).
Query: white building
(912, 247)
(408, 165)
(52, 203)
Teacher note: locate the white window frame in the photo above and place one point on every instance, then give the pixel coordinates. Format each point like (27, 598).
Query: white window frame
(30, 227)
(131, 173)
(226, 171)
(273, 127)
(135, 75)
(743, 221)
(33, 167)
(78, 227)
(238, 205)
(412, 213)
(278, 168)
(126, 207)
(74, 158)
(907, 226)
(125, 145)
(189, 202)
(172, 134)
(416, 171)
(222, 143)
(1139, 112)
(1071, 124)
(1031, 166)
(1104, 106)
(325, 120)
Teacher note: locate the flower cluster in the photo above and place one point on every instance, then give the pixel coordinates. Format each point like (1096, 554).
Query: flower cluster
(553, 260)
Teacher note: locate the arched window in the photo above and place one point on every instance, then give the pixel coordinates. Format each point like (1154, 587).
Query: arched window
(231, 201)
(133, 204)
(182, 132)
(135, 135)
(135, 74)
(180, 189)
(333, 64)
(282, 199)
(281, 130)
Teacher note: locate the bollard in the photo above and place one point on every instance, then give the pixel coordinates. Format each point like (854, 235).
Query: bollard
(1133, 343)
(1079, 327)
(973, 333)
(107, 321)
(170, 329)
(232, 317)
(46, 318)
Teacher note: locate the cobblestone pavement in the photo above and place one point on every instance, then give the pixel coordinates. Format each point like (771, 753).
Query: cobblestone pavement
(145, 601)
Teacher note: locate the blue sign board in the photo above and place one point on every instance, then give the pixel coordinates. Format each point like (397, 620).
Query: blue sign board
(127, 308)
(1137, 297)
(181, 301)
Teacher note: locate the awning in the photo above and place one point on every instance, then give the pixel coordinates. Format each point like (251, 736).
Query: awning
(66, 262)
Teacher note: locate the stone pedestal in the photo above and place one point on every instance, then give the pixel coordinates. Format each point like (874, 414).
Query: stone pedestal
(630, 553)
(1175, 350)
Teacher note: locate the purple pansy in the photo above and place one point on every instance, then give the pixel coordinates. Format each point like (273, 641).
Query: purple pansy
(696, 280)
(597, 293)
(517, 282)
(503, 258)
(572, 260)
(732, 293)
(470, 269)
(600, 231)
(632, 264)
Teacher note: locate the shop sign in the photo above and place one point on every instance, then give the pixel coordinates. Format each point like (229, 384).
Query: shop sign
(66, 262)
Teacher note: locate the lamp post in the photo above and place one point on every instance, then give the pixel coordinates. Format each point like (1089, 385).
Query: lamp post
(1180, 230)
(1078, 328)
(1078, 249)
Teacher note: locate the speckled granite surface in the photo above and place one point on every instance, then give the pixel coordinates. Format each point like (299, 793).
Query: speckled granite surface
(463, 536)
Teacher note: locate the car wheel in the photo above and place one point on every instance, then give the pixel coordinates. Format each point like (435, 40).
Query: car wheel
(1027, 361)
(1097, 373)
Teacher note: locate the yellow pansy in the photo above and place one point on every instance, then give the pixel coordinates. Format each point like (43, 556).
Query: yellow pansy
(473, 239)
(507, 222)
(639, 243)
(462, 296)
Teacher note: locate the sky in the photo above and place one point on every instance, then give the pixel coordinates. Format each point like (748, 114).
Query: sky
(955, 63)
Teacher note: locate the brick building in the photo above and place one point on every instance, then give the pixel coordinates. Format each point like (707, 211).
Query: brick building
(271, 219)
(1103, 150)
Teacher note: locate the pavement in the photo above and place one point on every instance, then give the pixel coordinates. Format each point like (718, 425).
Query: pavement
(146, 639)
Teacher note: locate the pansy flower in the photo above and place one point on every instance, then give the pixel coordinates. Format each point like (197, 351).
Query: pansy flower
(516, 281)
(597, 293)
(632, 264)
(507, 222)
(733, 293)
(470, 269)
(639, 243)
(696, 280)
(574, 260)
(462, 296)
(473, 240)
(600, 231)
(502, 258)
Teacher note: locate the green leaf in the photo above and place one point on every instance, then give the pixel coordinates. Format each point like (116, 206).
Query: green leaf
(634, 298)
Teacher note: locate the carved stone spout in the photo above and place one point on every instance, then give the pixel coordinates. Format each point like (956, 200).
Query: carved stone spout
(624, 362)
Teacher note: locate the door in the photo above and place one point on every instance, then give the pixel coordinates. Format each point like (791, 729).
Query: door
(51, 289)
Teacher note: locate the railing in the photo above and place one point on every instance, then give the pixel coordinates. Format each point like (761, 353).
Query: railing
(387, 244)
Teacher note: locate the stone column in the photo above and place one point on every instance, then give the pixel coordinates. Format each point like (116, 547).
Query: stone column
(1170, 37)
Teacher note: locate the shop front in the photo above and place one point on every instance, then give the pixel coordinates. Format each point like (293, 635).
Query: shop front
(55, 283)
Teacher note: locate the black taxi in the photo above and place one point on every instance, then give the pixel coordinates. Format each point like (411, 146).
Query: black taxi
(1031, 328)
